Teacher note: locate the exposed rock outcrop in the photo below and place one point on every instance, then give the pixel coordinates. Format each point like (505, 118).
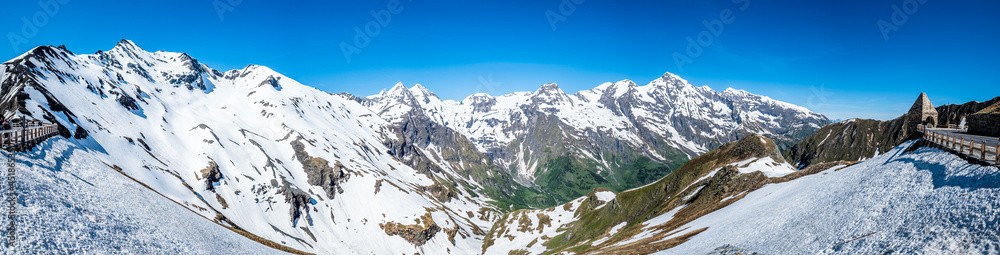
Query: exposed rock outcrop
(953, 114)
(298, 200)
(319, 171)
(849, 140)
(417, 234)
(211, 175)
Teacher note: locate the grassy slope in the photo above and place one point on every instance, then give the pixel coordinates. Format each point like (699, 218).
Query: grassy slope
(564, 174)
(675, 189)
(569, 177)
(638, 205)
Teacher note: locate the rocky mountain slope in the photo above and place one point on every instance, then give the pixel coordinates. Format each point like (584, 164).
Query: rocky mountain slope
(954, 113)
(718, 203)
(617, 135)
(878, 206)
(859, 139)
(850, 140)
(646, 219)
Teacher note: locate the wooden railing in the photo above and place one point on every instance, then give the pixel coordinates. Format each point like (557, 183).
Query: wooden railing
(19, 137)
(983, 149)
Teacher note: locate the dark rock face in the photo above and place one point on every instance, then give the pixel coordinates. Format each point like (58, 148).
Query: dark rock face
(982, 118)
(850, 140)
(126, 101)
(270, 81)
(319, 171)
(211, 174)
(298, 200)
(80, 132)
(415, 132)
(953, 114)
(141, 71)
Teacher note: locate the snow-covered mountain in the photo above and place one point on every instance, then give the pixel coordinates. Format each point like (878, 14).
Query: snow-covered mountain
(607, 128)
(161, 153)
(70, 202)
(250, 149)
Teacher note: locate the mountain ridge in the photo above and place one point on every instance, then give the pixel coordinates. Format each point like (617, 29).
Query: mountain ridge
(295, 165)
(652, 121)
(285, 162)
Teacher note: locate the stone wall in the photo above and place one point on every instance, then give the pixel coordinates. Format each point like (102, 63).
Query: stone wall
(984, 124)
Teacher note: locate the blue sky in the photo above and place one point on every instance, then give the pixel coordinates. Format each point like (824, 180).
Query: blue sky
(829, 56)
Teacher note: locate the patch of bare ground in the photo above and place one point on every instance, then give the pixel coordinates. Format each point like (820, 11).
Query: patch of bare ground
(417, 234)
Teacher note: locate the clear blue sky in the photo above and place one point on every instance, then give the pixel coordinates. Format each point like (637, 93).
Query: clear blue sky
(829, 56)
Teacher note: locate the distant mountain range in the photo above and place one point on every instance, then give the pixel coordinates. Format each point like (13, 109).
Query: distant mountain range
(617, 135)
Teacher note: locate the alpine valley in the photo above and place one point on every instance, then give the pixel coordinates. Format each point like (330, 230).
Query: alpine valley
(159, 153)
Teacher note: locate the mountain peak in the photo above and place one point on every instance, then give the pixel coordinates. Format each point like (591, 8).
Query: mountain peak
(669, 75)
(42, 52)
(126, 44)
(731, 90)
(398, 87)
(626, 83)
(420, 90)
(399, 92)
(620, 88)
(258, 68)
(754, 145)
(670, 80)
(549, 88)
(422, 93)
